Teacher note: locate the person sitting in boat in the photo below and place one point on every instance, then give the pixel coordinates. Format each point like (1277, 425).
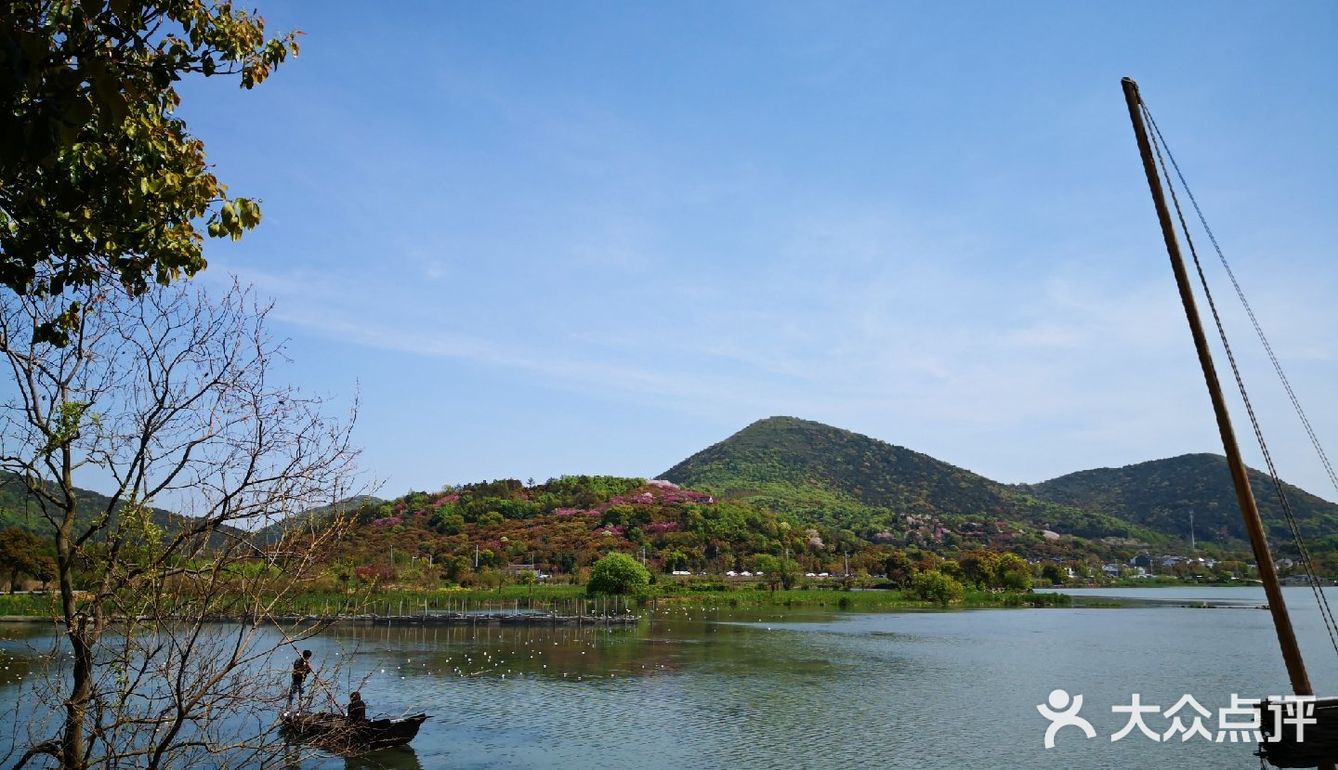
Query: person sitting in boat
(301, 667)
(357, 707)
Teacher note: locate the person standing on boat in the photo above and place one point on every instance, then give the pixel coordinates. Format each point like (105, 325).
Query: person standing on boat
(357, 707)
(301, 667)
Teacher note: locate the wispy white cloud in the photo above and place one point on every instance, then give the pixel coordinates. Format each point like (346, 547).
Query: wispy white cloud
(881, 231)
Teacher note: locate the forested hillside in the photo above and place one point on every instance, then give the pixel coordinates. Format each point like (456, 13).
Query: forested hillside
(781, 487)
(1161, 494)
(564, 525)
(19, 509)
(839, 478)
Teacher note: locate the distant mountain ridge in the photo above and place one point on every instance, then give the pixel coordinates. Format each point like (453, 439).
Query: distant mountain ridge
(807, 468)
(856, 488)
(811, 469)
(19, 509)
(272, 533)
(1161, 494)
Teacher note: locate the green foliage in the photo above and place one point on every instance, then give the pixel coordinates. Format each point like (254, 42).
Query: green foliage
(934, 586)
(819, 475)
(456, 568)
(1052, 574)
(617, 573)
(978, 568)
(68, 417)
(447, 521)
(23, 553)
(575, 491)
(31, 605)
(993, 570)
(99, 177)
(1039, 600)
(678, 529)
(899, 569)
(1161, 494)
(1011, 573)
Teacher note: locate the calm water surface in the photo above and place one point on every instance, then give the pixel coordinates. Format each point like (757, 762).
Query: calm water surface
(724, 688)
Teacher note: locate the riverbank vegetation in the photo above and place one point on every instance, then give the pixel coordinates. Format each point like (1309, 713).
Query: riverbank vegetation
(516, 540)
(492, 535)
(568, 599)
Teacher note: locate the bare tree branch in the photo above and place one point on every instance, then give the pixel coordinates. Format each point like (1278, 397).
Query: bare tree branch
(167, 621)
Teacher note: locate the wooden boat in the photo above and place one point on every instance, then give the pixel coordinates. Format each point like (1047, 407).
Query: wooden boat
(1284, 743)
(1318, 744)
(336, 734)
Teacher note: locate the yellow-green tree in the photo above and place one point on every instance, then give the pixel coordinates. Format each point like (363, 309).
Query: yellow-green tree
(934, 586)
(1012, 572)
(99, 177)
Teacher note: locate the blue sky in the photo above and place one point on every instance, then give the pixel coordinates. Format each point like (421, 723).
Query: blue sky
(595, 237)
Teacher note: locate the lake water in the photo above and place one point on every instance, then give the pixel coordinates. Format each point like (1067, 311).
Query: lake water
(722, 688)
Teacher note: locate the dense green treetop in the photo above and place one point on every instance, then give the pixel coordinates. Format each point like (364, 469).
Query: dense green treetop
(617, 573)
(99, 179)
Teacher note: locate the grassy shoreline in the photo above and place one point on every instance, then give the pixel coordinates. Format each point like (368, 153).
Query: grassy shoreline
(571, 600)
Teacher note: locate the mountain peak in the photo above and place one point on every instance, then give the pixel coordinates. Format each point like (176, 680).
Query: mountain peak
(782, 431)
(816, 472)
(838, 463)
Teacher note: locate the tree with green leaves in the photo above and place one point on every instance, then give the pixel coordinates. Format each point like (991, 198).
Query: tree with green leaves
(769, 567)
(1053, 574)
(617, 573)
(899, 568)
(1012, 573)
(21, 553)
(934, 586)
(979, 567)
(100, 179)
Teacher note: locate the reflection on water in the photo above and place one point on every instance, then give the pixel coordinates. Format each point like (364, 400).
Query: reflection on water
(400, 758)
(721, 688)
(296, 756)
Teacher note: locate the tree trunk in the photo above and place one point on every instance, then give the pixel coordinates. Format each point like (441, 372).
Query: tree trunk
(76, 628)
(76, 708)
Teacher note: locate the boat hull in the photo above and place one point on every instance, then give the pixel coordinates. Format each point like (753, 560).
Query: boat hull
(336, 734)
(1318, 744)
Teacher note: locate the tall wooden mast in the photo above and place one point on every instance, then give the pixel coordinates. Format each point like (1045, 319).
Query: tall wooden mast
(1291, 651)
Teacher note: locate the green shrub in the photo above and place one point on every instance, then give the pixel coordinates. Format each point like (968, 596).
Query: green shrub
(934, 586)
(617, 573)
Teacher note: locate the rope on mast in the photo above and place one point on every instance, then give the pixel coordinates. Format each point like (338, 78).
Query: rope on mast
(1254, 321)
(1307, 564)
